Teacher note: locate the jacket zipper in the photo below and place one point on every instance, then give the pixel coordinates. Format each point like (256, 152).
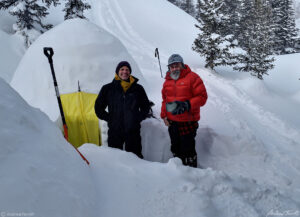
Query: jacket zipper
(189, 112)
(175, 89)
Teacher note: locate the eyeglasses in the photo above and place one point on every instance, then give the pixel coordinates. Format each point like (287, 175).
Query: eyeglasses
(175, 65)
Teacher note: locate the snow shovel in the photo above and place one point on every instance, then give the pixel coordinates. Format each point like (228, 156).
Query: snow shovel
(48, 51)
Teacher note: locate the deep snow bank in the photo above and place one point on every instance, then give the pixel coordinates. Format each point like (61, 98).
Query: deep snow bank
(133, 187)
(40, 172)
(240, 136)
(284, 77)
(82, 52)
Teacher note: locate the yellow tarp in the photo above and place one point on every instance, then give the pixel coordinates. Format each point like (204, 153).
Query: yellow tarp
(82, 122)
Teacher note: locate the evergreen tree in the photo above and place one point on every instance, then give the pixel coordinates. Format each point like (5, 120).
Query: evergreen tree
(210, 43)
(285, 26)
(188, 7)
(257, 36)
(49, 2)
(29, 16)
(231, 10)
(75, 8)
(246, 9)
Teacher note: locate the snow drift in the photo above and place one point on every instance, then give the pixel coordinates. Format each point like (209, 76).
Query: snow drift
(40, 172)
(145, 189)
(42, 175)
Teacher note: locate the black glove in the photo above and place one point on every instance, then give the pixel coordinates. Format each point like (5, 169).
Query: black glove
(181, 107)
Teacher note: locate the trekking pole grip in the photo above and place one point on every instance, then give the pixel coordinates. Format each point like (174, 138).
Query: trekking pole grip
(48, 51)
(156, 52)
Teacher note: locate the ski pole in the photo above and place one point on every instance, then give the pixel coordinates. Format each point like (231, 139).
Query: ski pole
(157, 55)
(48, 51)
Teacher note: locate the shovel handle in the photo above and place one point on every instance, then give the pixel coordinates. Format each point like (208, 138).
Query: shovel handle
(48, 51)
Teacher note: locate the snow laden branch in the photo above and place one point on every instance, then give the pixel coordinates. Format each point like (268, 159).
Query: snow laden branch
(29, 15)
(75, 8)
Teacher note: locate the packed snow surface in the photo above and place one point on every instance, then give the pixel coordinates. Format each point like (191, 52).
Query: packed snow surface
(143, 189)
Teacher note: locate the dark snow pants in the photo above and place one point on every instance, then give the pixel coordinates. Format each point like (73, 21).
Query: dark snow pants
(183, 146)
(132, 140)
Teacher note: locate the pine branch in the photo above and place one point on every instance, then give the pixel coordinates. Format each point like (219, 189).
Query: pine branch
(7, 4)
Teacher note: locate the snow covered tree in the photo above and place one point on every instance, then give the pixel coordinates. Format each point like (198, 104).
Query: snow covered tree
(285, 26)
(188, 7)
(210, 43)
(29, 14)
(49, 2)
(231, 10)
(75, 9)
(257, 38)
(246, 9)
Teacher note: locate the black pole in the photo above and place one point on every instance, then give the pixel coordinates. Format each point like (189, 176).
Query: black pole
(79, 90)
(157, 55)
(48, 51)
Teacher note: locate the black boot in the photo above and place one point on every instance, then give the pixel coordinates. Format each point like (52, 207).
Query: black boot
(190, 161)
(140, 156)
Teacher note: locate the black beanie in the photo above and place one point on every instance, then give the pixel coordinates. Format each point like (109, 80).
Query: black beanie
(121, 64)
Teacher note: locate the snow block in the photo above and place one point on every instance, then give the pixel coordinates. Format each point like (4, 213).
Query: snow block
(83, 52)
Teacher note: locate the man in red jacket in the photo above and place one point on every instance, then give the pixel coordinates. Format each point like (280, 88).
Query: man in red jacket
(183, 94)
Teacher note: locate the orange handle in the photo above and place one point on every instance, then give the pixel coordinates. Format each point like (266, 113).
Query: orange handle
(66, 132)
(67, 137)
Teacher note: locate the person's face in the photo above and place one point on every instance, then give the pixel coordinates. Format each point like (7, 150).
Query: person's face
(175, 67)
(124, 73)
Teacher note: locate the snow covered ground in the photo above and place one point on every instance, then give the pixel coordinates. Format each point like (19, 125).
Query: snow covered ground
(142, 188)
(42, 175)
(247, 142)
(245, 122)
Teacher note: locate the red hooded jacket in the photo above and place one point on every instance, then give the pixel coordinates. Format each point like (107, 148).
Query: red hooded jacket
(189, 86)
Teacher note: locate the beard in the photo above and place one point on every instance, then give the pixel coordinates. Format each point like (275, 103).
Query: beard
(175, 74)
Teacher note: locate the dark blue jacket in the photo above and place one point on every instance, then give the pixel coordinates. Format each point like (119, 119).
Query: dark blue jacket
(125, 110)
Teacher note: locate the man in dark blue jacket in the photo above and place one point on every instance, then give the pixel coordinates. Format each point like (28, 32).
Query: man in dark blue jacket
(128, 105)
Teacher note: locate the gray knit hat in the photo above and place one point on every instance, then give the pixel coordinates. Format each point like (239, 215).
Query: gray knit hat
(175, 58)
